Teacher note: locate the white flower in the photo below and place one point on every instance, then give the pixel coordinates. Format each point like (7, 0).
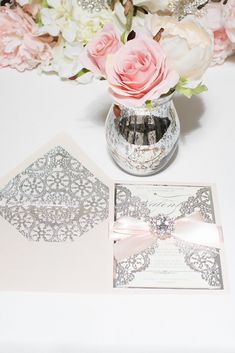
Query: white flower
(66, 17)
(58, 18)
(90, 23)
(188, 46)
(152, 5)
(65, 61)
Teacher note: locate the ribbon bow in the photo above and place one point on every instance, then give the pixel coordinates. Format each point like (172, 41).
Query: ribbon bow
(137, 235)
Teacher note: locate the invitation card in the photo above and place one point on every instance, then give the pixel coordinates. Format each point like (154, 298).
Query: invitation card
(166, 236)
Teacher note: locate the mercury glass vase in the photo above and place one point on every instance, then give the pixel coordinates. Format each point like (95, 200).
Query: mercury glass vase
(142, 140)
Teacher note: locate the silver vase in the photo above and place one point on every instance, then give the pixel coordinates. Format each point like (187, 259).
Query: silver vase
(142, 140)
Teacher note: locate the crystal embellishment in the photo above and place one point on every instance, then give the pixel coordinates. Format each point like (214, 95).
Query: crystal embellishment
(162, 226)
(92, 5)
(183, 8)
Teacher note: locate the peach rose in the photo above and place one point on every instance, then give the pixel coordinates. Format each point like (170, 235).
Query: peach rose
(96, 52)
(138, 72)
(20, 48)
(229, 20)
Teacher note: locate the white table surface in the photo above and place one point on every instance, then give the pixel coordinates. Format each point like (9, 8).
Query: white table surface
(33, 110)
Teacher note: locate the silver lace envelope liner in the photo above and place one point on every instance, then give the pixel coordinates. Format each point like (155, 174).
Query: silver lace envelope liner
(166, 236)
(53, 224)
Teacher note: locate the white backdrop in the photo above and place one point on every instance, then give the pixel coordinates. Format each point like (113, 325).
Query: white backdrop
(33, 110)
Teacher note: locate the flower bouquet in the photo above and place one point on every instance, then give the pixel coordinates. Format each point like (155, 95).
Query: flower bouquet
(51, 34)
(144, 67)
(145, 49)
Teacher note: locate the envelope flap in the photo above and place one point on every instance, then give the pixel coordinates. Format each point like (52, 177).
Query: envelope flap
(59, 196)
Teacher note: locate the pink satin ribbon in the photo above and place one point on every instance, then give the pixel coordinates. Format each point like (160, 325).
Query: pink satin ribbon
(136, 235)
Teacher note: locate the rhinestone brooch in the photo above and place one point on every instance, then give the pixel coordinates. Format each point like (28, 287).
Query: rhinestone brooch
(162, 226)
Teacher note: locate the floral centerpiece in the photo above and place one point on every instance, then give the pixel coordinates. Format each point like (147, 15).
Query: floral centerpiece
(143, 70)
(58, 30)
(145, 49)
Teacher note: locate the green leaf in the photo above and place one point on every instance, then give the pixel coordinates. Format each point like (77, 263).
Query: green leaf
(123, 37)
(148, 104)
(38, 19)
(82, 72)
(44, 3)
(182, 88)
(182, 80)
(187, 92)
(200, 88)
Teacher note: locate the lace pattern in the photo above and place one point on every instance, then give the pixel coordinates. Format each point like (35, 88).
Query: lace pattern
(129, 205)
(204, 260)
(201, 202)
(125, 270)
(55, 199)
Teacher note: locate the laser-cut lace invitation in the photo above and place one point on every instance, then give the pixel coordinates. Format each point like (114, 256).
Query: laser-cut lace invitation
(166, 237)
(65, 226)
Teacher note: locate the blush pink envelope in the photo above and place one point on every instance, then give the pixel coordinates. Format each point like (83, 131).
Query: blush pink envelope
(34, 258)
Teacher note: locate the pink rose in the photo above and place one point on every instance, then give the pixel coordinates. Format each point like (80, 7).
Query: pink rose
(229, 20)
(222, 46)
(138, 72)
(214, 21)
(96, 52)
(20, 48)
